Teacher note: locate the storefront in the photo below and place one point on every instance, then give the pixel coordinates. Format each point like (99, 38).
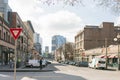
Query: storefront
(5, 55)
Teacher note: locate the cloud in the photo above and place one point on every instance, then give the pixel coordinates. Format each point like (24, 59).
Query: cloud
(26, 9)
(60, 21)
(48, 22)
(117, 21)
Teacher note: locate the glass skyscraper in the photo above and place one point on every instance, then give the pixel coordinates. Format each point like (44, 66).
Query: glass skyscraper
(57, 41)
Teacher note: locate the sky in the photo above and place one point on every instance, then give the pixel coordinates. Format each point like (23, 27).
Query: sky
(61, 19)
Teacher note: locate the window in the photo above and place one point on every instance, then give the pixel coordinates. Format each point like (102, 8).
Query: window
(4, 36)
(0, 34)
(8, 38)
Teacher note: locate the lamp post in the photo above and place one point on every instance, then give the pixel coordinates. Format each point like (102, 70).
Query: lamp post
(118, 40)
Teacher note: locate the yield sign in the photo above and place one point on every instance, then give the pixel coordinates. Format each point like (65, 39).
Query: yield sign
(15, 32)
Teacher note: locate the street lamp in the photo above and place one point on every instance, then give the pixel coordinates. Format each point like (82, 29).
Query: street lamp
(118, 40)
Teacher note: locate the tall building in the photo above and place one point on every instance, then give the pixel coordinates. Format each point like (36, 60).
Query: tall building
(37, 43)
(94, 37)
(30, 37)
(5, 9)
(57, 41)
(36, 38)
(46, 49)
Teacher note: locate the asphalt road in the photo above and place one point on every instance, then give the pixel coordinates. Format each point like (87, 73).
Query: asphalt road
(64, 72)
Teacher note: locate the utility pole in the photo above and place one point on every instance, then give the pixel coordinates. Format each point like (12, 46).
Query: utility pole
(106, 51)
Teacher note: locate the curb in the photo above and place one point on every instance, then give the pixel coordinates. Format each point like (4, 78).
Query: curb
(26, 70)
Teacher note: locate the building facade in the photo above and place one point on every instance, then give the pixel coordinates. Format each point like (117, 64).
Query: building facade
(57, 41)
(30, 37)
(37, 44)
(5, 9)
(7, 43)
(9, 19)
(22, 42)
(94, 37)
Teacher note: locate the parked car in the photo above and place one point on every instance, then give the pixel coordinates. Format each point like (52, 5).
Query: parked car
(48, 62)
(66, 62)
(72, 63)
(97, 63)
(82, 64)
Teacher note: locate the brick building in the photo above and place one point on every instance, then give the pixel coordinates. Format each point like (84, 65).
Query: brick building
(94, 37)
(7, 43)
(22, 42)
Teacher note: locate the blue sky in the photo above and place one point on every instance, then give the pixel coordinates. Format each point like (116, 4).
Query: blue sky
(61, 19)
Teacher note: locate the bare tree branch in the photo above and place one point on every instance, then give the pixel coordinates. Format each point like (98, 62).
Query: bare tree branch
(66, 2)
(114, 5)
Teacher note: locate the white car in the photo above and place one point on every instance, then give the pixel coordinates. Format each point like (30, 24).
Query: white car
(97, 63)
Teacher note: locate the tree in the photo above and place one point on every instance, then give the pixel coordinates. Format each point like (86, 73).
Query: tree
(68, 51)
(114, 5)
(67, 2)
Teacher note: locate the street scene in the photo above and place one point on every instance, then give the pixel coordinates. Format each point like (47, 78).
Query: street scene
(63, 72)
(59, 39)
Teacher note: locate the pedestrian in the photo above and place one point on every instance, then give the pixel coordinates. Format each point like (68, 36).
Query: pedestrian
(11, 63)
(40, 63)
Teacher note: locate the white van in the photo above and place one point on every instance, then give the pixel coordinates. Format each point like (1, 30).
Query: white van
(98, 63)
(35, 63)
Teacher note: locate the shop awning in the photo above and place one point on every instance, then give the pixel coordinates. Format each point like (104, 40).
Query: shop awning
(101, 56)
(113, 56)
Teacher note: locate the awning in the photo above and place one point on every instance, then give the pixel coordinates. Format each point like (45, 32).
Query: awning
(103, 56)
(113, 56)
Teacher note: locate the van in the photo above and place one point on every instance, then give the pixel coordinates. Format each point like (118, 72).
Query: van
(98, 63)
(35, 63)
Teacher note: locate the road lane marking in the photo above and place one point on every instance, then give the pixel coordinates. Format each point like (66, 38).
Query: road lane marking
(42, 76)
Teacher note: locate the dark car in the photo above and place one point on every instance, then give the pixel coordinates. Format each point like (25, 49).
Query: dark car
(82, 64)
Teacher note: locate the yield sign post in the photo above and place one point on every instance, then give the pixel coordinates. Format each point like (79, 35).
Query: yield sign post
(15, 33)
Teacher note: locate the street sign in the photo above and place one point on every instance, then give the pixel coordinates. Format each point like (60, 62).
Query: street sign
(15, 32)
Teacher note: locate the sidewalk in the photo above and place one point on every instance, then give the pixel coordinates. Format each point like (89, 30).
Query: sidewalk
(6, 68)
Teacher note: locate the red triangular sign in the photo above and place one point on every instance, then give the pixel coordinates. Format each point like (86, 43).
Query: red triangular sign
(15, 32)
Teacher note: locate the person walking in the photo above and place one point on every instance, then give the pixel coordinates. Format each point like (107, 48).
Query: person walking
(11, 63)
(40, 63)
